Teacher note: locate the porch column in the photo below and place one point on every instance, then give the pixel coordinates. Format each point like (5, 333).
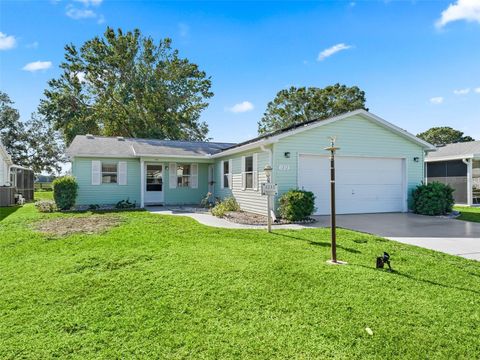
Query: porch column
(142, 183)
(470, 182)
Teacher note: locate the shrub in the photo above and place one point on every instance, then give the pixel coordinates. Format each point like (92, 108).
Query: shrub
(296, 205)
(125, 204)
(46, 206)
(65, 192)
(433, 199)
(228, 204)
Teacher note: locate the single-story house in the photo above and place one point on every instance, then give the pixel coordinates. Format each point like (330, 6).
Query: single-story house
(14, 180)
(457, 165)
(378, 165)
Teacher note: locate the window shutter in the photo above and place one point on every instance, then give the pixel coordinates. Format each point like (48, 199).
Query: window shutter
(230, 172)
(194, 176)
(172, 177)
(255, 172)
(122, 173)
(244, 183)
(96, 172)
(222, 173)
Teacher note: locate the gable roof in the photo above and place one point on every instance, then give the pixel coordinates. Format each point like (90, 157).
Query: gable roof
(466, 150)
(308, 125)
(102, 146)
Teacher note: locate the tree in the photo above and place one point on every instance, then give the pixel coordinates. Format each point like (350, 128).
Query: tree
(34, 143)
(123, 84)
(296, 105)
(444, 135)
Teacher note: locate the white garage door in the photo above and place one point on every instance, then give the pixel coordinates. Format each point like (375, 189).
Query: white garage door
(363, 185)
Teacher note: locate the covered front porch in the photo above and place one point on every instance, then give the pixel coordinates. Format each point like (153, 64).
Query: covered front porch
(175, 181)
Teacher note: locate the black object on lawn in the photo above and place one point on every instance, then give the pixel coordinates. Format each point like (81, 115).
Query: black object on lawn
(382, 260)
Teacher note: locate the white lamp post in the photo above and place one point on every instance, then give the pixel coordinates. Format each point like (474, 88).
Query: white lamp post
(268, 173)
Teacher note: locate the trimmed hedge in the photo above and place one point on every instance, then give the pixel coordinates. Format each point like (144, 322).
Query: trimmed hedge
(297, 205)
(65, 191)
(433, 199)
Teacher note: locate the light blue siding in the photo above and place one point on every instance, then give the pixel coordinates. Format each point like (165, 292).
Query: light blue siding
(106, 193)
(356, 136)
(181, 196)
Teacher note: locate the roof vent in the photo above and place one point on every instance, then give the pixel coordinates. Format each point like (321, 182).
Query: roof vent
(120, 138)
(89, 136)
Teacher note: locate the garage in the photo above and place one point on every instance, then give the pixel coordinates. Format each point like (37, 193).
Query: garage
(363, 184)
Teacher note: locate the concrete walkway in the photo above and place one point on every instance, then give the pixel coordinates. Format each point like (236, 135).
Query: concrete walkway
(450, 236)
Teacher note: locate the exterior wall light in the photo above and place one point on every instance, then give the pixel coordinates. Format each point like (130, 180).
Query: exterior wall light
(287, 154)
(416, 159)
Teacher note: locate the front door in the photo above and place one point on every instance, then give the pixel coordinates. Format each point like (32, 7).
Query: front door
(154, 184)
(211, 179)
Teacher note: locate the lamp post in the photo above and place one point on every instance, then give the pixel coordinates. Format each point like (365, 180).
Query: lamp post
(332, 148)
(268, 173)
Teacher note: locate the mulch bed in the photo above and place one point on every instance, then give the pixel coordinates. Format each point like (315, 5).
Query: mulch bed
(93, 224)
(247, 218)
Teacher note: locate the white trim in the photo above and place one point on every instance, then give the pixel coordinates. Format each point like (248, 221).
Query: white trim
(453, 157)
(142, 183)
(469, 163)
(96, 172)
(122, 172)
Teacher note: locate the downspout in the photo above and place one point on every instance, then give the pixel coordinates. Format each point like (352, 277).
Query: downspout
(468, 162)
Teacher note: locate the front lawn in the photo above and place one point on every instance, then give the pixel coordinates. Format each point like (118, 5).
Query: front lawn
(167, 287)
(468, 213)
(43, 195)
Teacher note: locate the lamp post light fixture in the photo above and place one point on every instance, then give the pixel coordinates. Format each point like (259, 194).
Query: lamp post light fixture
(268, 173)
(332, 148)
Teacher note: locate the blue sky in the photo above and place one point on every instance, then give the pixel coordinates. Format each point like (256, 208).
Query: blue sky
(418, 62)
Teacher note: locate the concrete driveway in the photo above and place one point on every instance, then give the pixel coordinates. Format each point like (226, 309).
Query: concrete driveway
(450, 236)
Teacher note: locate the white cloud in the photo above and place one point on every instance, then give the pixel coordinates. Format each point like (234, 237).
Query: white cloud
(90, 2)
(37, 66)
(332, 50)
(241, 107)
(468, 10)
(477, 90)
(77, 14)
(101, 19)
(436, 100)
(461, 91)
(33, 45)
(7, 42)
(184, 29)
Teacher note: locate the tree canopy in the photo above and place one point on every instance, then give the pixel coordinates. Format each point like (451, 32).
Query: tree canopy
(444, 135)
(33, 143)
(125, 84)
(296, 105)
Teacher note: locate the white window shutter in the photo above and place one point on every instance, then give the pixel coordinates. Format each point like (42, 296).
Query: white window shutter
(194, 176)
(230, 172)
(255, 171)
(222, 174)
(122, 173)
(244, 183)
(96, 172)
(172, 177)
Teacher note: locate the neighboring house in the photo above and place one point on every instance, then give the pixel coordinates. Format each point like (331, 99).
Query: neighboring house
(14, 180)
(457, 165)
(378, 165)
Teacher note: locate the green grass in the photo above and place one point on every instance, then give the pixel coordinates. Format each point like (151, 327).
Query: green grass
(468, 213)
(168, 287)
(43, 195)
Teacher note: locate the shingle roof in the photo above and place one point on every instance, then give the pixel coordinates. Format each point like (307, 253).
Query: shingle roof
(131, 147)
(458, 150)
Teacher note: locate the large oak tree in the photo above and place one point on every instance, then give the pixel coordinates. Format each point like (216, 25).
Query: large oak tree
(296, 105)
(125, 84)
(443, 135)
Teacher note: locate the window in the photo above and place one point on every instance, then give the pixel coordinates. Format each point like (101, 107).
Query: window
(226, 174)
(249, 172)
(183, 175)
(109, 173)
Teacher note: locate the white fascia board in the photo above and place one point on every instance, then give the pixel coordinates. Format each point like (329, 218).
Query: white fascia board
(72, 156)
(203, 157)
(452, 157)
(246, 147)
